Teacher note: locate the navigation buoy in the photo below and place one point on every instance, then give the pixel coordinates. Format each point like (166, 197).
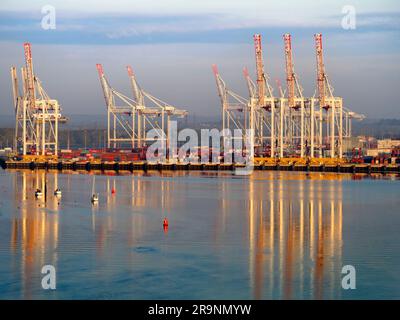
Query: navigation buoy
(94, 198)
(38, 193)
(57, 192)
(165, 223)
(113, 191)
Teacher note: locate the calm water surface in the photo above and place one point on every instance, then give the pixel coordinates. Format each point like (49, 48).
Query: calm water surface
(272, 235)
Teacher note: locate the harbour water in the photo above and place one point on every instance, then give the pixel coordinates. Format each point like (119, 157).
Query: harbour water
(271, 235)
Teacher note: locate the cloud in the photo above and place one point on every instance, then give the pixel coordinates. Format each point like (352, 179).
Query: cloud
(174, 42)
(224, 14)
(131, 29)
(190, 7)
(387, 20)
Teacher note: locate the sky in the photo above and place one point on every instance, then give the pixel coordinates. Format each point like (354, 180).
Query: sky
(171, 45)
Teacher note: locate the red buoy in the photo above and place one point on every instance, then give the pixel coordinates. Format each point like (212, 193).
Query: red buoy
(165, 223)
(113, 191)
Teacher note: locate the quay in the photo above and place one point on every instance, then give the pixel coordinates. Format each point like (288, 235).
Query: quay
(144, 166)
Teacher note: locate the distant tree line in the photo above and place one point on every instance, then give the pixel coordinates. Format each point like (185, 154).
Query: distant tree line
(77, 138)
(380, 129)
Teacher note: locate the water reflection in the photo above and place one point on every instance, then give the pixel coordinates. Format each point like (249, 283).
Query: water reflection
(34, 229)
(287, 226)
(296, 229)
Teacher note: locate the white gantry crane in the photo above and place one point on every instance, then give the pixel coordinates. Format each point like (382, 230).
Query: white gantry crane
(290, 125)
(333, 107)
(37, 116)
(121, 112)
(128, 119)
(267, 106)
(149, 110)
(298, 129)
(237, 114)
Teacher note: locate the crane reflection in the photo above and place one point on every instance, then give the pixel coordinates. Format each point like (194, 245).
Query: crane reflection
(295, 237)
(34, 226)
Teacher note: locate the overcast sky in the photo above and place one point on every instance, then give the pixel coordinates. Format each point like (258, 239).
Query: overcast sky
(171, 45)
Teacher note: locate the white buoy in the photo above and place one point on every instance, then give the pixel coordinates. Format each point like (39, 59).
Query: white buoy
(95, 196)
(38, 193)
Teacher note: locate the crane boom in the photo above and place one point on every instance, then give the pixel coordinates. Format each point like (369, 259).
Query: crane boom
(321, 75)
(14, 80)
(290, 77)
(30, 81)
(250, 84)
(220, 85)
(135, 87)
(103, 82)
(278, 83)
(292, 83)
(259, 70)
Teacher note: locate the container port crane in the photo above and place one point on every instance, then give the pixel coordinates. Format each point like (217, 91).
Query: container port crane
(121, 112)
(296, 103)
(235, 111)
(333, 106)
(266, 107)
(127, 121)
(291, 125)
(37, 116)
(147, 115)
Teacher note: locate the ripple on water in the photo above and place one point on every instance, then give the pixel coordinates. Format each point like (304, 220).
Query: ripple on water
(144, 249)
